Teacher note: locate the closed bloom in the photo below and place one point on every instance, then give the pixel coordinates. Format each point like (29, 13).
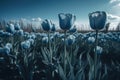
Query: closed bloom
(46, 25)
(99, 50)
(10, 28)
(53, 28)
(66, 21)
(73, 30)
(97, 20)
(25, 44)
(70, 40)
(17, 26)
(9, 45)
(19, 32)
(45, 40)
(31, 41)
(91, 40)
(6, 49)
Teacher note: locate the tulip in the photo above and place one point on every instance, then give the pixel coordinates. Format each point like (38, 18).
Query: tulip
(9, 45)
(10, 28)
(19, 32)
(53, 28)
(31, 41)
(25, 44)
(45, 40)
(17, 26)
(7, 49)
(99, 50)
(46, 25)
(91, 40)
(66, 21)
(97, 20)
(73, 30)
(70, 40)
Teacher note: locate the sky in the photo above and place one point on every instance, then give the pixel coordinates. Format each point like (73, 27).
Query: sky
(49, 9)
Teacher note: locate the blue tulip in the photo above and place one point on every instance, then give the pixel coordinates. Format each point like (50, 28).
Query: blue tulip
(99, 50)
(31, 41)
(10, 28)
(66, 21)
(25, 44)
(70, 40)
(45, 40)
(73, 30)
(46, 25)
(19, 32)
(53, 28)
(91, 40)
(97, 20)
(6, 49)
(17, 26)
(9, 45)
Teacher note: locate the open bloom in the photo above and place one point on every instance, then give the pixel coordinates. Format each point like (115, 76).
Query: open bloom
(97, 20)
(66, 21)
(46, 25)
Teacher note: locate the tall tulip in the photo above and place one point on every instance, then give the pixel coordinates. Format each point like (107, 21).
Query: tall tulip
(47, 26)
(97, 22)
(66, 21)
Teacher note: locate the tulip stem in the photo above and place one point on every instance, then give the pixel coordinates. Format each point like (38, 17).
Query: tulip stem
(95, 56)
(49, 44)
(65, 52)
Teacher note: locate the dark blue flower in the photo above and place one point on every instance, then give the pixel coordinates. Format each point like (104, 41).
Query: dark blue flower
(73, 30)
(70, 40)
(66, 21)
(25, 44)
(97, 20)
(46, 25)
(53, 28)
(45, 40)
(10, 28)
(17, 26)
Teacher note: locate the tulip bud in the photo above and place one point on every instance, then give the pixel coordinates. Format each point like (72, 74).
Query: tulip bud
(17, 26)
(10, 28)
(99, 50)
(45, 40)
(25, 44)
(46, 25)
(91, 40)
(70, 40)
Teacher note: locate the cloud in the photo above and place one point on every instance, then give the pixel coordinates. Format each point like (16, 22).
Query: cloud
(113, 1)
(114, 20)
(36, 19)
(112, 17)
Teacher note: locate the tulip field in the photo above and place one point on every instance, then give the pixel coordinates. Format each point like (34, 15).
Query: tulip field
(66, 55)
